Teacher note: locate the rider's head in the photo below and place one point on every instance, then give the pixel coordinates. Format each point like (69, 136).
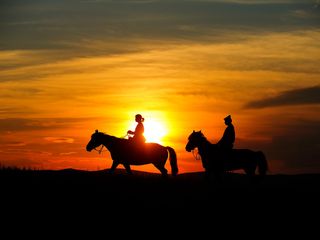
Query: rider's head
(139, 118)
(227, 120)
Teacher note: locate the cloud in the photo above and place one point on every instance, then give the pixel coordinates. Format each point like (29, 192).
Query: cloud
(24, 124)
(12, 110)
(292, 146)
(67, 153)
(197, 93)
(59, 139)
(299, 147)
(61, 25)
(15, 144)
(310, 95)
(262, 1)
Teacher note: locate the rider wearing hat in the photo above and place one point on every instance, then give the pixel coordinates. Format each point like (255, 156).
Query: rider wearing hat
(228, 138)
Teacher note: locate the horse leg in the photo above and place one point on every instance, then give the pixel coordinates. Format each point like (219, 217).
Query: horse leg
(114, 166)
(128, 168)
(250, 172)
(162, 169)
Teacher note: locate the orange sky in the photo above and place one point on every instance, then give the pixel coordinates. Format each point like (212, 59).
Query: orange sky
(56, 93)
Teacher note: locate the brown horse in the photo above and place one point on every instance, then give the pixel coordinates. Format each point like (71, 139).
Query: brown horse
(127, 152)
(215, 161)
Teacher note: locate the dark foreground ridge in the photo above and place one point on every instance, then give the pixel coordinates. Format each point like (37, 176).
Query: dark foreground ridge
(75, 193)
(151, 190)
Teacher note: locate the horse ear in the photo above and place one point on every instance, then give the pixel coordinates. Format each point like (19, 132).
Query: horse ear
(193, 131)
(200, 131)
(96, 131)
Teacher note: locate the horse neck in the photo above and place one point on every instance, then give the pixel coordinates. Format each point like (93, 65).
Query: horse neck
(107, 141)
(204, 145)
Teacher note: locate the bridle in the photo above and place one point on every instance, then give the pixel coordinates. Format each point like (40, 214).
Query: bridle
(99, 150)
(196, 155)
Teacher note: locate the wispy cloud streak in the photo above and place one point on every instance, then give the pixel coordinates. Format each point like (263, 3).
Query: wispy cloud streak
(309, 95)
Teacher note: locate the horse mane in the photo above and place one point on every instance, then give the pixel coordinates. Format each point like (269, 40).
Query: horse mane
(111, 136)
(105, 134)
(203, 137)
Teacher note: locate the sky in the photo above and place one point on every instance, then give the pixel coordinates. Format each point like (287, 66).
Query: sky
(68, 67)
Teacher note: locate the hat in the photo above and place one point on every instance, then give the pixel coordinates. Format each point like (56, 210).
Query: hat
(227, 117)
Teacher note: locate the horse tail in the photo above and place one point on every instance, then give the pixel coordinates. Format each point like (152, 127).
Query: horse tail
(262, 163)
(173, 161)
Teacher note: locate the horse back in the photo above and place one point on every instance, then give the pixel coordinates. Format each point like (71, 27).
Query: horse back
(139, 153)
(243, 152)
(244, 156)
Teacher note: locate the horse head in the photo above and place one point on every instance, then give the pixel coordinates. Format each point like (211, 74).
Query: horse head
(194, 140)
(95, 141)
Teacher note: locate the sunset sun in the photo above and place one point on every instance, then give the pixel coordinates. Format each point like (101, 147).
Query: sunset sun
(155, 126)
(154, 131)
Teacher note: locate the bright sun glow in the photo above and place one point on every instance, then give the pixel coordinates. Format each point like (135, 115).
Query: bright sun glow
(154, 131)
(155, 127)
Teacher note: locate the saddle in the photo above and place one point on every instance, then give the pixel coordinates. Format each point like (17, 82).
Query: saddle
(137, 144)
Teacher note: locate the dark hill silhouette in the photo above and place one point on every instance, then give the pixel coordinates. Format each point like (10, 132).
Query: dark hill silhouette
(150, 190)
(70, 196)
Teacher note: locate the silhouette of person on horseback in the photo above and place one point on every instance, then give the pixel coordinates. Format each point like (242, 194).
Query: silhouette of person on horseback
(229, 136)
(225, 144)
(138, 132)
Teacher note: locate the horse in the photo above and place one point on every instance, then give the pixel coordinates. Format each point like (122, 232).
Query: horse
(217, 161)
(127, 152)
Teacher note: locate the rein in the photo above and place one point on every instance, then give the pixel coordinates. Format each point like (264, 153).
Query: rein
(125, 135)
(100, 150)
(196, 155)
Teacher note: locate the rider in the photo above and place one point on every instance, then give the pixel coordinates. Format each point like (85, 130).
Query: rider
(138, 133)
(225, 144)
(228, 138)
